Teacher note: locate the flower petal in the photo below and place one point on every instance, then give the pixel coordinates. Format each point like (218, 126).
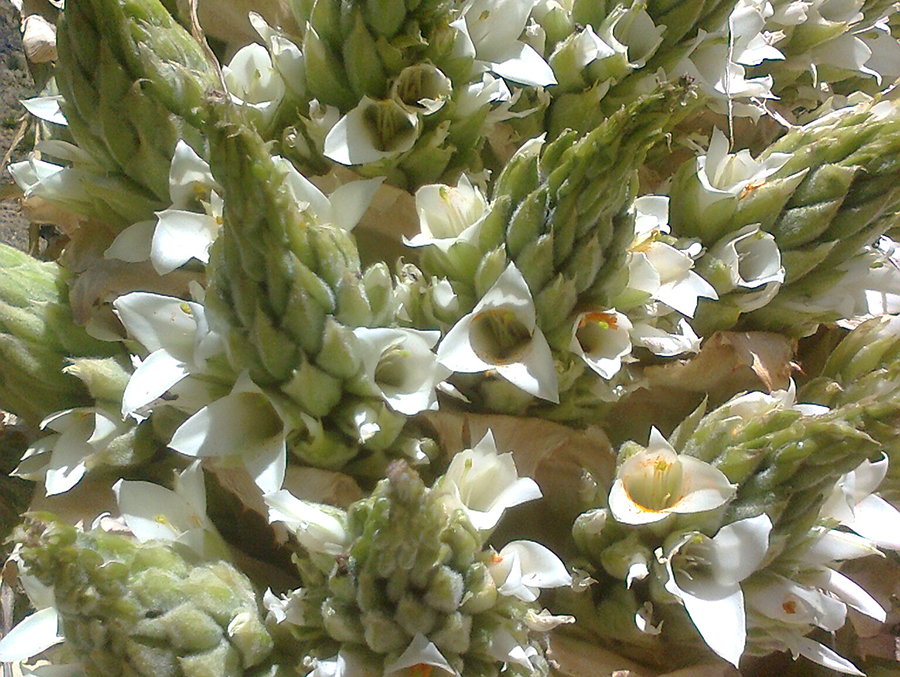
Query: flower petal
(420, 652)
(155, 375)
(34, 634)
(721, 622)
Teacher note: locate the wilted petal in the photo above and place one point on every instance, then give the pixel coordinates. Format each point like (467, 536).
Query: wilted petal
(319, 528)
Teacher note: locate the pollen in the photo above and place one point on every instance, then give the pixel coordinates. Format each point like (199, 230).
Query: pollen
(496, 559)
(790, 607)
(750, 188)
(605, 320)
(421, 670)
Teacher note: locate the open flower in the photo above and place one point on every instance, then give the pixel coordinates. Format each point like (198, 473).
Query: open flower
(501, 335)
(423, 655)
(602, 340)
(343, 208)
(373, 131)
(241, 428)
(854, 504)
(400, 365)
(705, 574)
(522, 568)
(254, 83)
(489, 31)
(185, 230)
(63, 458)
(153, 512)
(448, 215)
(657, 482)
(484, 483)
(179, 340)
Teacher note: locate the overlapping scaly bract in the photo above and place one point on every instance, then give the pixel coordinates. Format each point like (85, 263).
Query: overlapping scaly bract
(133, 609)
(126, 103)
(414, 565)
(39, 338)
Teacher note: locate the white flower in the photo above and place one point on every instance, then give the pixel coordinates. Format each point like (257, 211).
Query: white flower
(522, 568)
(343, 208)
(724, 175)
(448, 215)
(489, 30)
(179, 340)
(241, 428)
(476, 95)
(399, 364)
(503, 647)
(484, 483)
(749, 257)
(287, 58)
(501, 335)
(660, 270)
(602, 340)
(318, 527)
(705, 574)
(254, 83)
(179, 233)
(854, 504)
(657, 482)
(153, 512)
(373, 131)
(347, 663)
(419, 653)
(62, 459)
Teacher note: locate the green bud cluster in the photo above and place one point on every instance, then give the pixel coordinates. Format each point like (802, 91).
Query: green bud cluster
(141, 609)
(285, 292)
(862, 375)
(414, 565)
(38, 338)
(126, 102)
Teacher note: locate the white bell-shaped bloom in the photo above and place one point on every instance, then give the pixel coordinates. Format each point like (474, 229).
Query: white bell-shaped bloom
(657, 482)
(399, 364)
(62, 458)
(153, 512)
(749, 258)
(706, 573)
(725, 175)
(501, 335)
(602, 340)
(448, 215)
(854, 504)
(179, 340)
(254, 83)
(489, 30)
(343, 208)
(373, 131)
(485, 483)
(241, 428)
(522, 568)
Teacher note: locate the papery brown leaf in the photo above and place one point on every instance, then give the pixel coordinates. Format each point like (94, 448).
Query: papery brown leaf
(731, 362)
(576, 657)
(106, 279)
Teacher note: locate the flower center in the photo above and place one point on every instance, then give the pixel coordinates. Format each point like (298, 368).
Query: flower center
(658, 485)
(391, 370)
(387, 124)
(498, 336)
